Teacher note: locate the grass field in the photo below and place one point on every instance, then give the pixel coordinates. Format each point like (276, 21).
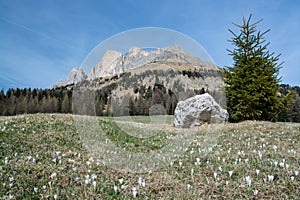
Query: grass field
(42, 157)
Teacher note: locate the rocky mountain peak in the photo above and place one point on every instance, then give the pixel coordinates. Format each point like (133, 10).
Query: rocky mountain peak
(109, 57)
(76, 75)
(107, 64)
(133, 51)
(175, 48)
(114, 62)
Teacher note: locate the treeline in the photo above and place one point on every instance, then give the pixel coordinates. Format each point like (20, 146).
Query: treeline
(292, 114)
(20, 101)
(101, 102)
(104, 99)
(139, 100)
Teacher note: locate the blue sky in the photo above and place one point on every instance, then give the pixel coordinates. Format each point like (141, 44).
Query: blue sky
(41, 40)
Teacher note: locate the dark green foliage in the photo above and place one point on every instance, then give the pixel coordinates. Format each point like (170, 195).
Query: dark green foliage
(292, 113)
(20, 101)
(252, 83)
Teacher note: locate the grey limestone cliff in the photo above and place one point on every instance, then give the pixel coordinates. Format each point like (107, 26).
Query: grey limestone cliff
(76, 75)
(114, 62)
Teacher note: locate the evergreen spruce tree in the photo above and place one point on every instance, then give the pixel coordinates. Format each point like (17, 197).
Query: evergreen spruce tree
(252, 83)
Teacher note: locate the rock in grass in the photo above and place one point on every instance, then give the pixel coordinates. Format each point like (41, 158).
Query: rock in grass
(196, 110)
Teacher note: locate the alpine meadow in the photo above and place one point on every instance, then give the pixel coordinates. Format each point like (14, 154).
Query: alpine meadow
(155, 122)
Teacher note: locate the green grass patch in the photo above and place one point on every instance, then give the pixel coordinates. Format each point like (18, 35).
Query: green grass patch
(42, 157)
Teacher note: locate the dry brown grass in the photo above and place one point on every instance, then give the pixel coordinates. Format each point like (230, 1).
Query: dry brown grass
(34, 147)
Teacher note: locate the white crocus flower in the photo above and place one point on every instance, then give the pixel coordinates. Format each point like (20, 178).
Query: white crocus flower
(287, 166)
(270, 178)
(281, 164)
(140, 181)
(115, 188)
(53, 175)
(94, 176)
(257, 171)
(94, 184)
(188, 186)
(255, 192)
(248, 180)
(134, 192)
(180, 163)
(215, 175)
(220, 168)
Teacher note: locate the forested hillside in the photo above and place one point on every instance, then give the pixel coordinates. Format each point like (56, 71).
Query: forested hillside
(133, 92)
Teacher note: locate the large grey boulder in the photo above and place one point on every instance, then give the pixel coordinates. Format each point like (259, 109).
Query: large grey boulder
(197, 110)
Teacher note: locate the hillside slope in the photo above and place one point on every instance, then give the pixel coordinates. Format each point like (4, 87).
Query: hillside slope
(162, 77)
(43, 156)
(137, 90)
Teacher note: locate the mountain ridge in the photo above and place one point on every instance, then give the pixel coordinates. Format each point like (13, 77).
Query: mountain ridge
(114, 62)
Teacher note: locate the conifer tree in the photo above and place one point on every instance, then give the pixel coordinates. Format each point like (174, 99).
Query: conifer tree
(252, 83)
